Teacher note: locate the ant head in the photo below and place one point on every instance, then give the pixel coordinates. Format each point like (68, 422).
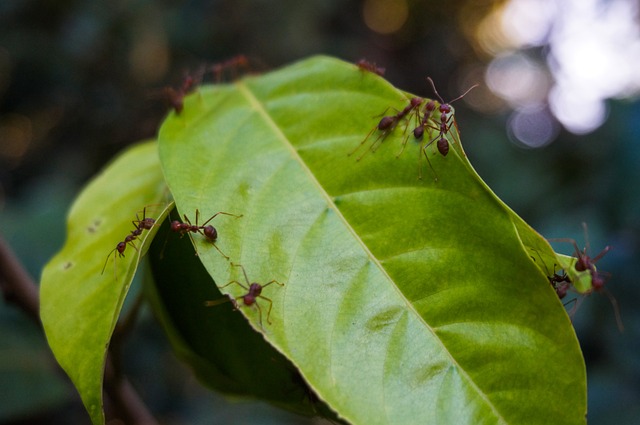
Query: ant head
(418, 132)
(121, 247)
(176, 226)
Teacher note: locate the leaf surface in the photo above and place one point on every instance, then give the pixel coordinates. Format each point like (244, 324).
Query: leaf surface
(82, 293)
(225, 353)
(405, 300)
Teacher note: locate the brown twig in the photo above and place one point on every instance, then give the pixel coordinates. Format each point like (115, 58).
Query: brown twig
(16, 284)
(18, 288)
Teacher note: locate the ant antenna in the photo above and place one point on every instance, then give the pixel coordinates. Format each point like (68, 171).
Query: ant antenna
(451, 101)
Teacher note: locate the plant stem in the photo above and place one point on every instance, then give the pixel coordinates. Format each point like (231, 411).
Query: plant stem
(18, 288)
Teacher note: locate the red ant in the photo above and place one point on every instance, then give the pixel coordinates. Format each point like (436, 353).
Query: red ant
(445, 121)
(146, 223)
(209, 232)
(585, 263)
(418, 133)
(365, 65)
(233, 64)
(561, 283)
(254, 291)
(174, 98)
(387, 124)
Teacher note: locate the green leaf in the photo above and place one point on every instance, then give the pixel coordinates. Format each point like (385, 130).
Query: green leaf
(405, 300)
(80, 304)
(232, 358)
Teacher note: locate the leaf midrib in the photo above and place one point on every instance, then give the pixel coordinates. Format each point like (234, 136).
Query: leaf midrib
(262, 111)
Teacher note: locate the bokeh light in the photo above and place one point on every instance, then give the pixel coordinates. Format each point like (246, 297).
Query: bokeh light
(567, 53)
(385, 16)
(533, 127)
(518, 79)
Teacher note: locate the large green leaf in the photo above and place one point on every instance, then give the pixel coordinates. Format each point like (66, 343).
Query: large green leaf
(79, 304)
(406, 300)
(223, 351)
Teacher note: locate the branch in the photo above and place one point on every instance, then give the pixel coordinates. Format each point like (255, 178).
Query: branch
(16, 284)
(18, 288)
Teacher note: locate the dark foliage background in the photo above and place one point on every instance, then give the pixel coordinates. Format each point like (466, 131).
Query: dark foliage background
(79, 81)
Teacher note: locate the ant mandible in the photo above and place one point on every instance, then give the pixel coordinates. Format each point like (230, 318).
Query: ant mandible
(254, 291)
(208, 231)
(386, 125)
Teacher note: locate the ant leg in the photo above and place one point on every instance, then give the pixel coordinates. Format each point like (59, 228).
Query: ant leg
(602, 253)
(273, 281)
(115, 268)
(260, 312)
(420, 163)
(233, 281)
(212, 303)
(586, 236)
(435, 175)
(268, 311)
(245, 275)
(363, 142)
(573, 309)
(376, 143)
(416, 112)
(423, 149)
(221, 253)
(193, 242)
(107, 260)
(616, 308)
(133, 245)
(219, 212)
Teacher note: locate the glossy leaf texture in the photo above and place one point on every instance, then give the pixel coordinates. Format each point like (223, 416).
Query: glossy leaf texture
(80, 303)
(405, 300)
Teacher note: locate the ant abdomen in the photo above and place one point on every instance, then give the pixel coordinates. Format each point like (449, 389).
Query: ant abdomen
(210, 232)
(386, 122)
(443, 146)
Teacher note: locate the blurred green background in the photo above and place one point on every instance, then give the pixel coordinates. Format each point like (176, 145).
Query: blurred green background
(554, 129)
